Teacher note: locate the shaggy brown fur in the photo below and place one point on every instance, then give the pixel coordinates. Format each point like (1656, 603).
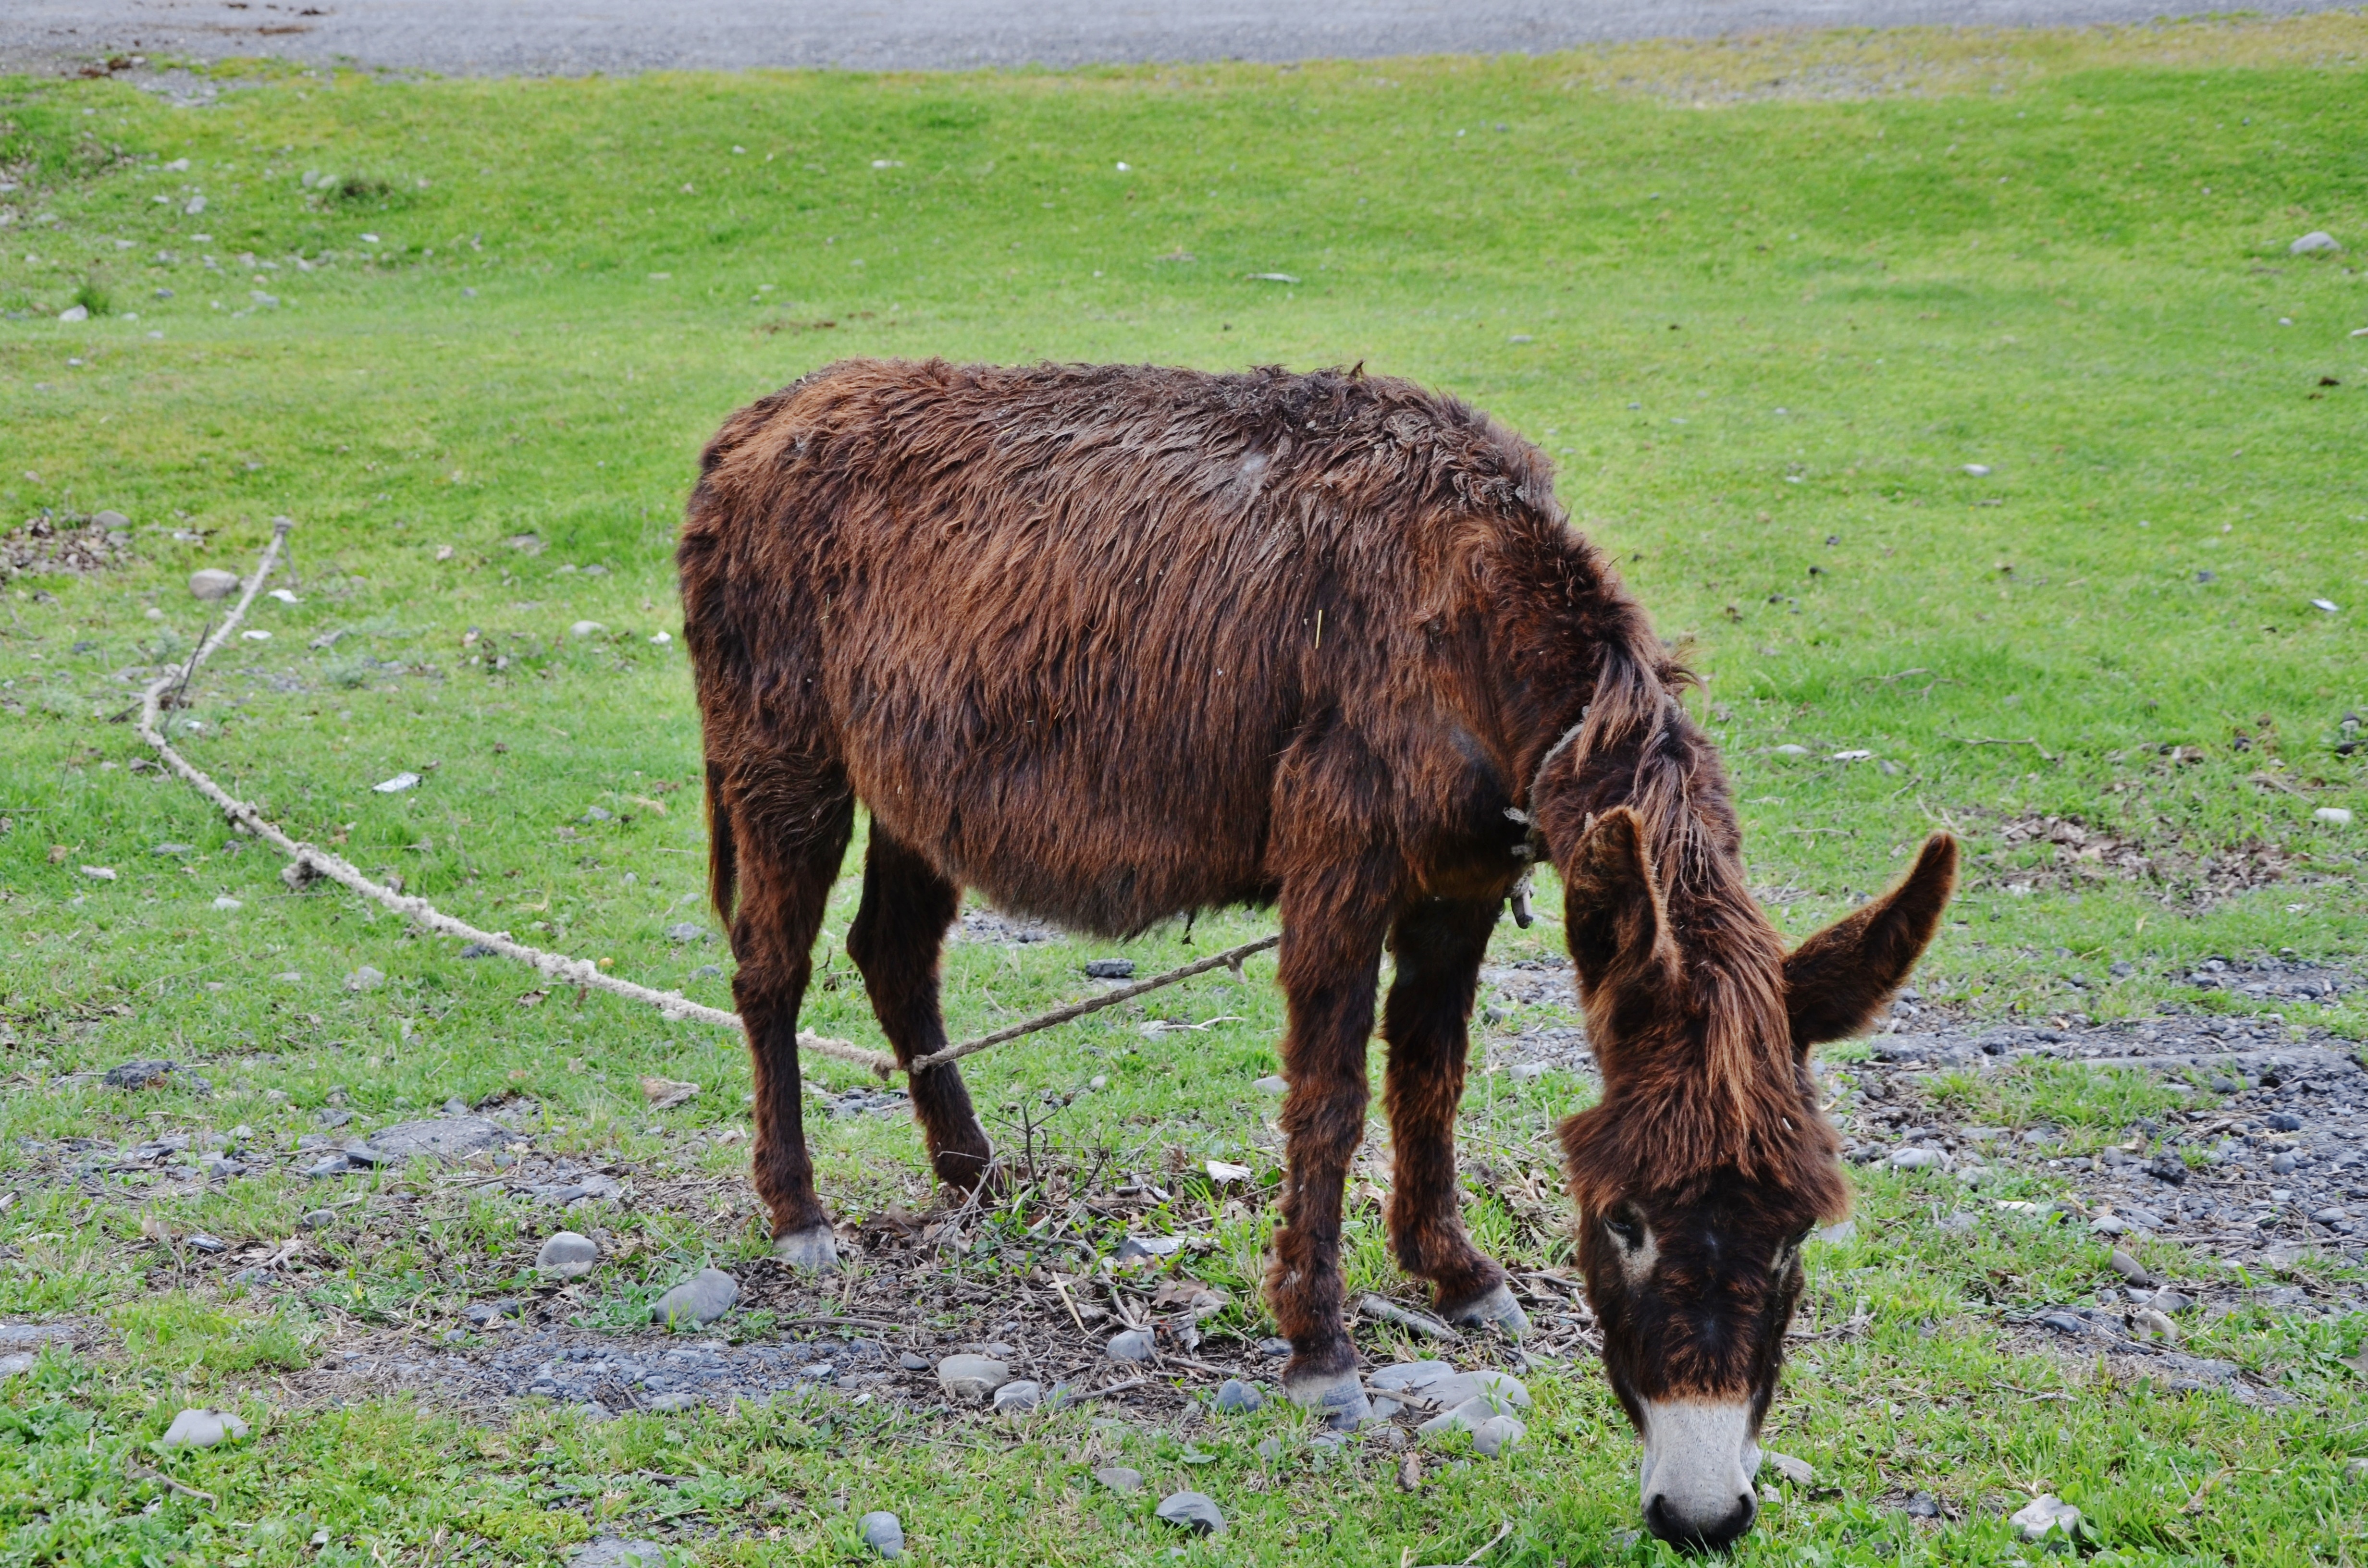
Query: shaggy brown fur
(1113, 643)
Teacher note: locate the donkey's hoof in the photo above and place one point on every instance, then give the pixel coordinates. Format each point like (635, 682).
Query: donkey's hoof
(1338, 1397)
(1496, 1306)
(815, 1250)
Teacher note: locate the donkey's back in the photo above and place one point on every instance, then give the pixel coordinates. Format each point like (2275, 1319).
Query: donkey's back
(1080, 636)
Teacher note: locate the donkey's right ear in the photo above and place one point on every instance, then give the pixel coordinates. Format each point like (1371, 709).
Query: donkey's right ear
(1611, 902)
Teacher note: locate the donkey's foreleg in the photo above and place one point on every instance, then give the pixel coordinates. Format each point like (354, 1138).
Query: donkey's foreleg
(1438, 945)
(898, 933)
(1331, 947)
(783, 889)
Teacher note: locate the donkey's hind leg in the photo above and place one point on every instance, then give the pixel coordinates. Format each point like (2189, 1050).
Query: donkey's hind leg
(785, 859)
(1438, 945)
(895, 940)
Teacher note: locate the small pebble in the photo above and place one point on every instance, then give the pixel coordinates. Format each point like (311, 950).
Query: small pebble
(971, 1379)
(1797, 1471)
(2317, 240)
(614, 1552)
(1271, 1085)
(318, 1219)
(1110, 968)
(704, 1297)
(365, 978)
(2129, 1269)
(586, 629)
(1134, 1345)
(1120, 1479)
(1236, 1395)
(202, 1429)
(1193, 1511)
(214, 583)
(1019, 1397)
(2043, 1514)
(913, 1363)
(226, 904)
(883, 1532)
(1923, 1506)
(567, 1256)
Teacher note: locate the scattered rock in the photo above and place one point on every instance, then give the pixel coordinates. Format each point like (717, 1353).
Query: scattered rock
(683, 931)
(138, 1076)
(365, 978)
(1272, 1084)
(2317, 240)
(1979, 471)
(883, 1532)
(1922, 1506)
(214, 583)
(1019, 1397)
(971, 1379)
(1133, 1345)
(1496, 1434)
(227, 903)
(15, 1365)
(1835, 1234)
(2129, 1269)
(1236, 1395)
(396, 785)
(2334, 817)
(1918, 1158)
(2355, 1471)
(586, 629)
(615, 1552)
(1796, 1472)
(318, 1219)
(670, 1403)
(100, 873)
(567, 1256)
(1225, 1173)
(335, 1165)
(2043, 1514)
(202, 1429)
(701, 1298)
(480, 950)
(2169, 1168)
(438, 1138)
(913, 1363)
(1120, 1479)
(1192, 1511)
(1110, 968)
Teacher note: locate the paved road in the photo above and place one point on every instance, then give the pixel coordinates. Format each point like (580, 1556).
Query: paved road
(565, 37)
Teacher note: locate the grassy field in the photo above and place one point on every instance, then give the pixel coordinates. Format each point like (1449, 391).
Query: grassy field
(1955, 397)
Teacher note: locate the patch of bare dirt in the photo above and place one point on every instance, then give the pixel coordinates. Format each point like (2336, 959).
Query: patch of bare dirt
(52, 546)
(2067, 854)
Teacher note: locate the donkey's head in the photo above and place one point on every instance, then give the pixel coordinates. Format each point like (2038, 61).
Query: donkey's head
(1708, 1162)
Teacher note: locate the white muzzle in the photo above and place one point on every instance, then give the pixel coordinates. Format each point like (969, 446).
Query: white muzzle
(1696, 1481)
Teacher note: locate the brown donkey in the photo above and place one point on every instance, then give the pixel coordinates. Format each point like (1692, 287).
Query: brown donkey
(1113, 643)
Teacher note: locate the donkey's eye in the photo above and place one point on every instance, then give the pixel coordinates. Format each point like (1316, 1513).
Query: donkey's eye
(1629, 1233)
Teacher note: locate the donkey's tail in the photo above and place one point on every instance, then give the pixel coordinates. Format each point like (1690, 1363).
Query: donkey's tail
(722, 854)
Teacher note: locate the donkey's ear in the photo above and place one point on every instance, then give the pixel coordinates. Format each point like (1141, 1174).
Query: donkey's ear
(1837, 981)
(1612, 902)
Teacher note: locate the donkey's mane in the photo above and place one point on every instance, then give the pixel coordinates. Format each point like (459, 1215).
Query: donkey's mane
(1700, 1074)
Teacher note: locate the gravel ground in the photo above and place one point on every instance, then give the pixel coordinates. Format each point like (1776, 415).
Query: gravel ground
(2268, 1170)
(567, 38)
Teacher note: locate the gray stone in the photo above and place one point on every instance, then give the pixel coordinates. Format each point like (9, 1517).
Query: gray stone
(110, 520)
(1134, 1345)
(883, 1532)
(615, 1552)
(971, 1379)
(1272, 1084)
(202, 1429)
(1496, 1435)
(1236, 1395)
(1110, 968)
(701, 1298)
(318, 1219)
(330, 1116)
(1922, 1506)
(687, 931)
(365, 978)
(1120, 1479)
(212, 583)
(438, 1138)
(219, 1168)
(1799, 1473)
(1270, 1449)
(2043, 1514)
(1193, 1511)
(913, 1363)
(2317, 240)
(335, 1165)
(15, 1364)
(481, 1313)
(567, 1256)
(2129, 1269)
(2355, 1471)
(1471, 1416)
(670, 1403)
(1019, 1397)
(138, 1074)
(1918, 1158)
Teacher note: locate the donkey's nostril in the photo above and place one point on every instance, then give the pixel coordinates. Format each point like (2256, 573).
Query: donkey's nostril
(1704, 1534)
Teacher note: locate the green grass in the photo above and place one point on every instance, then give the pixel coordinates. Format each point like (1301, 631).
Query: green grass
(1762, 333)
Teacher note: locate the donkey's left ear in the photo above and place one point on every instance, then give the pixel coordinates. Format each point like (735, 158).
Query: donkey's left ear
(1837, 981)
